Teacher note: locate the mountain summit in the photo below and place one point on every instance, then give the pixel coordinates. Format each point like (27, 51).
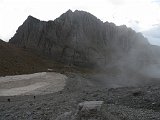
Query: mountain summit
(80, 38)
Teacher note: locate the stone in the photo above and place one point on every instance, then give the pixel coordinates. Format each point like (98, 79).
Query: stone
(50, 70)
(89, 109)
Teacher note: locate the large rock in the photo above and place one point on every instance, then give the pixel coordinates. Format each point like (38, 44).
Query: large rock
(88, 110)
(79, 38)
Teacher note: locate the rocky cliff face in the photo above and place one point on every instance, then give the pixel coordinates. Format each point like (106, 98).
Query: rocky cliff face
(79, 38)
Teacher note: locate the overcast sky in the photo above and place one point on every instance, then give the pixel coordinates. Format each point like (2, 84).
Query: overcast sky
(141, 15)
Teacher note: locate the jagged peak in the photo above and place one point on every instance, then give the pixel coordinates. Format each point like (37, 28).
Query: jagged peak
(31, 19)
(77, 14)
(123, 26)
(81, 12)
(69, 11)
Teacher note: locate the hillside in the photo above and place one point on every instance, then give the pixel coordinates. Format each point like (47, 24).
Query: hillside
(15, 60)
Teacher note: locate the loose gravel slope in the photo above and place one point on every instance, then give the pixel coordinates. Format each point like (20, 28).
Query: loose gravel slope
(126, 103)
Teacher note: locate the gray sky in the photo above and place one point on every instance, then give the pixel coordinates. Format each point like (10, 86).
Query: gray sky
(141, 15)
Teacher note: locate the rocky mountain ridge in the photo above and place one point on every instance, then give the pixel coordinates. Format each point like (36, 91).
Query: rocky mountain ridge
(79, 38)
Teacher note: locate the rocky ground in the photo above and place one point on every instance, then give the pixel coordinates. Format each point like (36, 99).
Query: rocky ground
(122, 103)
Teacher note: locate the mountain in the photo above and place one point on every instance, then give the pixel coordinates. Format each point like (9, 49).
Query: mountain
(79, 38)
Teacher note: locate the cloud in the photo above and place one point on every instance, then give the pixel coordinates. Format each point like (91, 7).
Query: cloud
(156, 1)
(137, 14)
(117, 2)
(143, 11)
(127, 2)
(153, 35)
(154, 32)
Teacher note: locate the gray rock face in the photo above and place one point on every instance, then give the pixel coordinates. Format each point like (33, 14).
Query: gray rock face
(79, 38)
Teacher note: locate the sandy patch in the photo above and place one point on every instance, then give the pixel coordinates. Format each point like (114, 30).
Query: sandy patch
(32, 84)
(22, 77)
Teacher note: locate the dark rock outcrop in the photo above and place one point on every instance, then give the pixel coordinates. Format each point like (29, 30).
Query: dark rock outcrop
(79, 38)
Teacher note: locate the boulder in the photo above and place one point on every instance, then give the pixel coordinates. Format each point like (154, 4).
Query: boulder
(88, 110)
